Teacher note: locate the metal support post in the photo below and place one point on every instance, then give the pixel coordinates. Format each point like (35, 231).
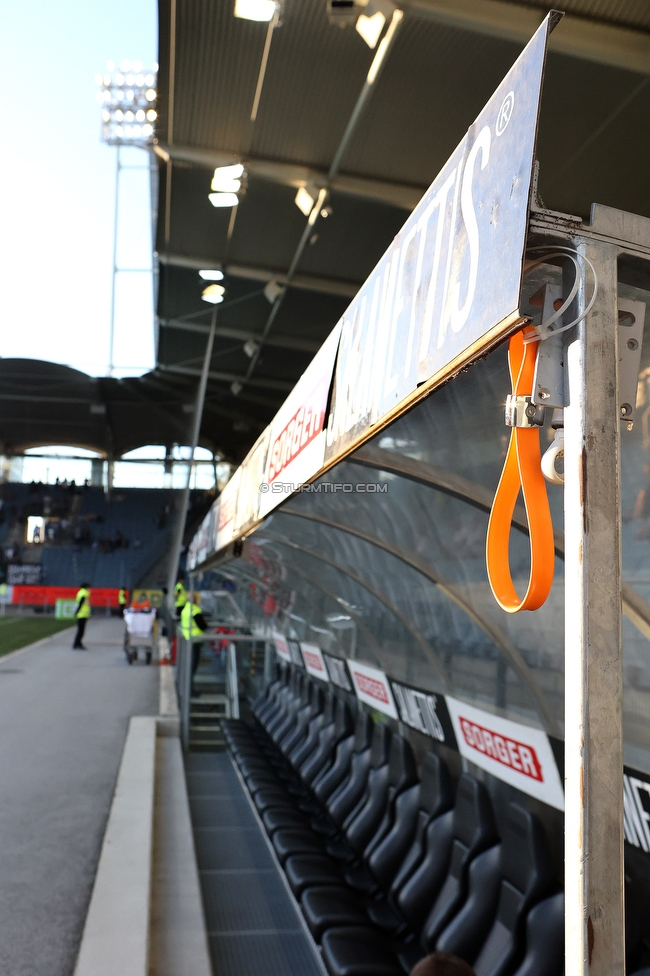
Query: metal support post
(185, 685)
(233, 681)
(593, 654)
(268, 663)
(179, 528)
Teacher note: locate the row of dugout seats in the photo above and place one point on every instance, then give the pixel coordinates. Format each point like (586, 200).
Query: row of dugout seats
(386, 867)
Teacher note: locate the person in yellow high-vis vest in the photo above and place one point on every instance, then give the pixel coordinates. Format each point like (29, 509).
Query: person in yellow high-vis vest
(193, 626)
(81, 614)
(180, 597)
(122, 601)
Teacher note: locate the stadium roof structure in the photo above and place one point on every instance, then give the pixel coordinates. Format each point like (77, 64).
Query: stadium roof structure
(45, 403)
(444, 63)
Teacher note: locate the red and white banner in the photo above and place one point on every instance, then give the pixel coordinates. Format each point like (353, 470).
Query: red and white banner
(297, 445)
(226, 511)
(281, 647)
(514, 753)
(372, 687)
(314, 663)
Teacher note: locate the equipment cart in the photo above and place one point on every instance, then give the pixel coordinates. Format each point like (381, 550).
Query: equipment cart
(141, 633)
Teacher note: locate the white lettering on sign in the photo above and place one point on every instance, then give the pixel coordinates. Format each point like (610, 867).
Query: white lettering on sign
(453, 273)
(511, 753)
(313, 658)
(515, 753)
(636, 812)
(305, 424)
(418, 710)
(371, 687)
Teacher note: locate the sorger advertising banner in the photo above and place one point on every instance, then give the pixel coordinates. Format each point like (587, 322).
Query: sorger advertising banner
(314, 663)
(515, 753)
(297, 442)
(372, 687)
(281, 647)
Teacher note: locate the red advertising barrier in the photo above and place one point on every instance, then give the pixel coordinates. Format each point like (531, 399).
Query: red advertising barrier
(39, 596)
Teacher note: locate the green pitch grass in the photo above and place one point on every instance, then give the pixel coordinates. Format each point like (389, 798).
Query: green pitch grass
(17, 632)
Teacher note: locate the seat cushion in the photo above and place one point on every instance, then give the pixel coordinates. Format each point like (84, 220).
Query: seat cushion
(270, 797)
(330, 907)
(357, 951)
(309, 870)
(295, 841)
(282, 818)
(262, 781)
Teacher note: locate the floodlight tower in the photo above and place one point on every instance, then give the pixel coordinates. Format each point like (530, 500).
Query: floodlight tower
(128, 99)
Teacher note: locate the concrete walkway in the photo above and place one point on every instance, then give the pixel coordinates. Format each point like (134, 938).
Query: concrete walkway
(63, 721)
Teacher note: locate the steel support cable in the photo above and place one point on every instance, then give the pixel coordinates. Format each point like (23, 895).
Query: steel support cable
(374, 73)
(492, 630)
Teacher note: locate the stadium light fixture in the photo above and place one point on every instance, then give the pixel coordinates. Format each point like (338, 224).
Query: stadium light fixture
(213, 294)
(227, 179)
(370, 28)
(227, 184)
(272, 290)
(306, 198)
(128, 102)
(371, 22)
(223, 199)
(261, 11)
(250, 348)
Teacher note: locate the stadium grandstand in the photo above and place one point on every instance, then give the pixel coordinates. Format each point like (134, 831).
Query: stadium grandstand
(366, 689)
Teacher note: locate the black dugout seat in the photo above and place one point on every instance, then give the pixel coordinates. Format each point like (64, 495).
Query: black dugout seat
(368, 892)
(386, 871)
(488, 929)
(545, 940)
(431, 895)
(387, 777)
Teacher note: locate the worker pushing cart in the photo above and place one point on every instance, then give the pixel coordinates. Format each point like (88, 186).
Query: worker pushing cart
(141, 632)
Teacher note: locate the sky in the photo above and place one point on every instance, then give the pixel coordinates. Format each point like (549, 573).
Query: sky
(57, 185)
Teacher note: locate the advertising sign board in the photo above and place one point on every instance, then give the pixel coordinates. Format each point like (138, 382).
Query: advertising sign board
(297, 437)
(372, 687)
(281, 647)
(314, 663)
(514, 753)
(451, 279)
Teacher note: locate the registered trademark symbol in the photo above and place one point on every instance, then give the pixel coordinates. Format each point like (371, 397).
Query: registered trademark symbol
(505, 113)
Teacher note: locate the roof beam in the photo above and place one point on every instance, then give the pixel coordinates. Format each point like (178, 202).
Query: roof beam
(577, 37)
(401, 195)
(282, 341)
(329, 286)
(261, 381)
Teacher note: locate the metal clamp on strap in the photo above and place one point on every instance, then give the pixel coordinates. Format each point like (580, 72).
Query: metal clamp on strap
(522, 412)
(521, 472)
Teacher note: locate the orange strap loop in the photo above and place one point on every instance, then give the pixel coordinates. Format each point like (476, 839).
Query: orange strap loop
(522, 470)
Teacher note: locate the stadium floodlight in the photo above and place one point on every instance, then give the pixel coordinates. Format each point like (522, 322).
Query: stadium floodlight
(211, 274)
(213, 294)
(260, 10)
(128, 101)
